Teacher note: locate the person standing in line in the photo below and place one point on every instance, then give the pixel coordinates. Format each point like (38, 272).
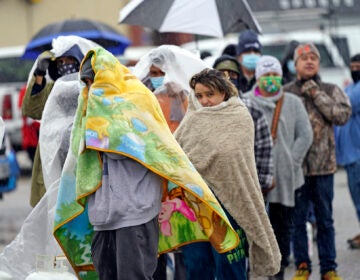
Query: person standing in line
(143, 197)
(51, 65)
(263, 142)
(327, 105)
(347, 143)
(292, 136)
(248, 54)
(217, 133)
(165, 71)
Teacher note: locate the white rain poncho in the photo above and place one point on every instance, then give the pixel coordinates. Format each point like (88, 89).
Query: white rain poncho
(179, 65)
(35, 237)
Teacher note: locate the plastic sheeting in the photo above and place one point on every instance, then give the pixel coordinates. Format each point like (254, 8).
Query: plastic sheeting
(35, 237)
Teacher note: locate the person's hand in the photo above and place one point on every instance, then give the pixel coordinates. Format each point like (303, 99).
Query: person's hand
(43, 63)
(310, 87)
(267, 190)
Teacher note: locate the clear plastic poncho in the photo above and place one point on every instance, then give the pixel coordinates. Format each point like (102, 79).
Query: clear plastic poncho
(36, 234)
(179, 65)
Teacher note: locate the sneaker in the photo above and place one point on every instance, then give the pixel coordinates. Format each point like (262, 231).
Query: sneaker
(356, 239)
(354, 243)
(331, 275)
(302, 272)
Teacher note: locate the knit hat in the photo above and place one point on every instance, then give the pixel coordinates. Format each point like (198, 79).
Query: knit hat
(86, 70)
(227, 62)
(248, 40)
(267, 64)
(305, 49)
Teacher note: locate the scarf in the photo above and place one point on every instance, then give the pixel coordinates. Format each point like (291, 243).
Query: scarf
(219, 141)
(120, 115)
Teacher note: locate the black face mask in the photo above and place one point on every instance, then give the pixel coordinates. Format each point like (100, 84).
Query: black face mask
(235, 82)
(355, 75)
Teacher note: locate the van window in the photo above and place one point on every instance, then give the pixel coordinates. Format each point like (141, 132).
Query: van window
(278, 50)
(14, 69)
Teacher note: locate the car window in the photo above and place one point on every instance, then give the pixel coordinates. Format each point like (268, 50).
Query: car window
(14, 69)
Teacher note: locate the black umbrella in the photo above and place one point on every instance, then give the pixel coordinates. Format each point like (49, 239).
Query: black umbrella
(99, 32)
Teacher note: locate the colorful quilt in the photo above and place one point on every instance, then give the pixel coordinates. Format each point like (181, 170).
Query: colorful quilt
(118, 114)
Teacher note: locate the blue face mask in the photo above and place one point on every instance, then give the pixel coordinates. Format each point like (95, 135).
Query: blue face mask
(157, 81)
(291, 66)
(249, 61)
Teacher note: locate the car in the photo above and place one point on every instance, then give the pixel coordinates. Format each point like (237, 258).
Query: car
(14, 73)
(332, 65)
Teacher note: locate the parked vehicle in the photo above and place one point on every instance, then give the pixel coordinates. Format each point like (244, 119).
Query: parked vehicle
(332, 66)
(14, 72)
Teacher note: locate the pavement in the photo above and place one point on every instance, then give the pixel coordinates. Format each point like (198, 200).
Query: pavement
(14, 208)
(346, 226)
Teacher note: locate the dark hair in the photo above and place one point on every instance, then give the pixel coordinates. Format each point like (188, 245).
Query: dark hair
(215, 80)
(230, 49)
(355, 58)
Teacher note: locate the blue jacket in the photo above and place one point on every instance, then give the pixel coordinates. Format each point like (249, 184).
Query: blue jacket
(347, 137)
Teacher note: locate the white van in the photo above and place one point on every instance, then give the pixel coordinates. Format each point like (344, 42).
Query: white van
(333, 68)
(14, 72)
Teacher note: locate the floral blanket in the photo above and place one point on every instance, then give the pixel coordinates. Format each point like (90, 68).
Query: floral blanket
(118, 114)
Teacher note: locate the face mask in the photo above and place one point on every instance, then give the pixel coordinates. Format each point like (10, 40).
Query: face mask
(156, 81)
(355, 75)
(66, 69)
(270, 84)
(249, 61)
(291, 66)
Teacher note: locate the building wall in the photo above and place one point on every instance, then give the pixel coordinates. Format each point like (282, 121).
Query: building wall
(21, 19)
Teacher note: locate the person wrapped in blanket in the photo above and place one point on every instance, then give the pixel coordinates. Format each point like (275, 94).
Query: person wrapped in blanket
(166, 71)
(35, 236)
(143, 196)
(217, 133)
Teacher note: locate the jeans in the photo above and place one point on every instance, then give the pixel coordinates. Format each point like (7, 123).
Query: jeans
(203, 262)
(353, 171)
(319, 190)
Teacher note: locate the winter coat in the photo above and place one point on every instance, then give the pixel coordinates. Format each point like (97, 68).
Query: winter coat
(294, 137)
(347, 136)
(329, 106)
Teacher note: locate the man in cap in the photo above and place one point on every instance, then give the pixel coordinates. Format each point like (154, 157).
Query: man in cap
(327, 105)
(248, 54)
(347, 143)
(263, 141)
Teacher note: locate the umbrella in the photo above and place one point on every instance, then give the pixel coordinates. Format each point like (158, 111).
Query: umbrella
(201, 17)
(99, 32)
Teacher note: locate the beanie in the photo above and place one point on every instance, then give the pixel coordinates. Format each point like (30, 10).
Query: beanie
(86, 70)
(248, 40)
(227, 62)
(267, 64)
(305, 49)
